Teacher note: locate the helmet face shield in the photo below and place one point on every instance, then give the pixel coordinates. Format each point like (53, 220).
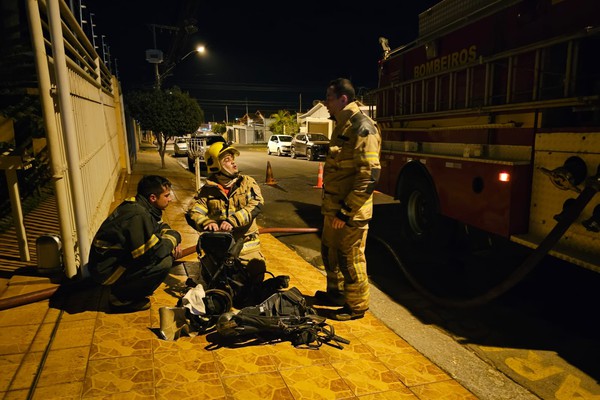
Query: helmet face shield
(216, 152)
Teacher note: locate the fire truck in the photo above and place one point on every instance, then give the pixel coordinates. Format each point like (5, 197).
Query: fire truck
(490, 126)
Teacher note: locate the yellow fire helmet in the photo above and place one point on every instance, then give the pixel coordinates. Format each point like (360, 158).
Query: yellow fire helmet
(214, 154)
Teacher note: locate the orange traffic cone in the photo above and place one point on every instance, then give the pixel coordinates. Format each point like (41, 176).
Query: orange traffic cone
(269, 180)
(319, 177)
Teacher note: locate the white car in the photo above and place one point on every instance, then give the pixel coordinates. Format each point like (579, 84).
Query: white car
(279, 144)
(180, 147)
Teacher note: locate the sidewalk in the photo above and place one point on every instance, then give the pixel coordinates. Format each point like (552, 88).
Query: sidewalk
(69, 347)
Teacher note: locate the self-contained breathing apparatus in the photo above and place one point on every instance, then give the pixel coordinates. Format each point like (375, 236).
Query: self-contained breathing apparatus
(265, 307)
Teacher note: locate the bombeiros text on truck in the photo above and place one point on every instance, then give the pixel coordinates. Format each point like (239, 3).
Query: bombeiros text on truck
(490, 124)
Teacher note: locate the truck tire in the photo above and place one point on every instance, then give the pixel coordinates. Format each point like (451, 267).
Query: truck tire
(450, 263)
(418, 206)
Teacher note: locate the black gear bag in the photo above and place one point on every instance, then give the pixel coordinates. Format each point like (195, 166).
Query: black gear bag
(284, 315)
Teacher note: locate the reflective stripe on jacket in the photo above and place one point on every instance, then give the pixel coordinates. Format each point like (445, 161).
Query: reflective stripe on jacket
(352, 167)
(240, 207)
(130, 237)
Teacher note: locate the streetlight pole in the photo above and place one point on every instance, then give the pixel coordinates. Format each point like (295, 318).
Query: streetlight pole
(160, 77)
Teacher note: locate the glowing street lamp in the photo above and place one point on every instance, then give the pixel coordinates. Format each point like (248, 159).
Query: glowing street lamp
(160, 77)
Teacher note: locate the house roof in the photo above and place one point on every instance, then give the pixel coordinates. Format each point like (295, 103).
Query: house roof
(317, 111)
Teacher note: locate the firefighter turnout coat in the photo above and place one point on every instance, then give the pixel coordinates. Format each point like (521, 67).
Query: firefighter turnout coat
(132, 237)
(239, 207)
(352, 167)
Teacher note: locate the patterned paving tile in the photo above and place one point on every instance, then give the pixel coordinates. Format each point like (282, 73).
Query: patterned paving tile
(404, 394)
(385, 343)
(355, 350)
(319, 382)
(140, 319)
(264, 386)
(360, 327)
(414, 369)
(174, 367)
(110, 341)
(141, 394)
(368, 376)
(119, 375)
(287, 356)
(184, 343)
(210, 389)
(244, 360)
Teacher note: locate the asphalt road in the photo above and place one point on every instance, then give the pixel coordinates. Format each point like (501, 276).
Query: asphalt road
(541, 335)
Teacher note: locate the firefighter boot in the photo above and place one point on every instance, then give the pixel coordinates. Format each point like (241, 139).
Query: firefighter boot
(173, 322)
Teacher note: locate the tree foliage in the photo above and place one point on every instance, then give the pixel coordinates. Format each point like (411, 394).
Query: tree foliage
(219, 128)
(284, 124)
(167, 113)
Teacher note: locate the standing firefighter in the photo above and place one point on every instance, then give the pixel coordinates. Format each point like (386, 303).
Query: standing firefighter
(134, 249)
(350, 174)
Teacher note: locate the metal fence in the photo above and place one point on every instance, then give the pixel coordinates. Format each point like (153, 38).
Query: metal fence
(84, 122)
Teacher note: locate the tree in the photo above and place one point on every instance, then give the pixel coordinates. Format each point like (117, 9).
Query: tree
(219, 128)
(284, 124)
(167, 113)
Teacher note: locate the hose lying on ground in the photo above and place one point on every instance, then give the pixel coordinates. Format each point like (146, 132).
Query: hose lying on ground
(32, 297)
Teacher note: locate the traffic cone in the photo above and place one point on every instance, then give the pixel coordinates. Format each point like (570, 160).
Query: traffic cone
(319, 177)
(269, 180)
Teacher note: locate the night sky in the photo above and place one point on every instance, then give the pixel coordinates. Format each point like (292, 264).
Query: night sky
(262, 56)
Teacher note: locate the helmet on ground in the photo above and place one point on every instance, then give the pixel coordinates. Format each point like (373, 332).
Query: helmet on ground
(215, 152)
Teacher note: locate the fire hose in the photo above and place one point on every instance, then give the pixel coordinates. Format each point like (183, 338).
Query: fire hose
(27, 298)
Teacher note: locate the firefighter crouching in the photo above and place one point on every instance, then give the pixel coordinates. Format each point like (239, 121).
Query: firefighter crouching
(134, 249)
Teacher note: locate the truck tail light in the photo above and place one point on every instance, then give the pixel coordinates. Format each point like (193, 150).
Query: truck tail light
(504, 176)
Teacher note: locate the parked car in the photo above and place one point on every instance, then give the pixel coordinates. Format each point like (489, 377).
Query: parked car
(279, 144)
(311, 145)
(180, 147)
(197, 146)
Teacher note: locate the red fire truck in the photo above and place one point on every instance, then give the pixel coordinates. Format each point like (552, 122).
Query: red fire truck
(490, 123)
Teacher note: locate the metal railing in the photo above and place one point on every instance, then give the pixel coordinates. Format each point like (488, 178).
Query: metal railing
(85, 132)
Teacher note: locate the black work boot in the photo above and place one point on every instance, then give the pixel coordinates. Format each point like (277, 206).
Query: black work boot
(328, 298)
(346, 314)
(119, 306)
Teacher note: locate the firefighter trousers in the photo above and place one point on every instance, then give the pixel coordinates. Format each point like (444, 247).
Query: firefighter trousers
(343, 252)
(136, 284)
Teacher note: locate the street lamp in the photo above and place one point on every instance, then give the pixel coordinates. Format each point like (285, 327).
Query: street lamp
(160, 77)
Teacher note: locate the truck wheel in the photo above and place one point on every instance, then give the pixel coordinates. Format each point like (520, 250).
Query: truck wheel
(418, 206)
(447, 261)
